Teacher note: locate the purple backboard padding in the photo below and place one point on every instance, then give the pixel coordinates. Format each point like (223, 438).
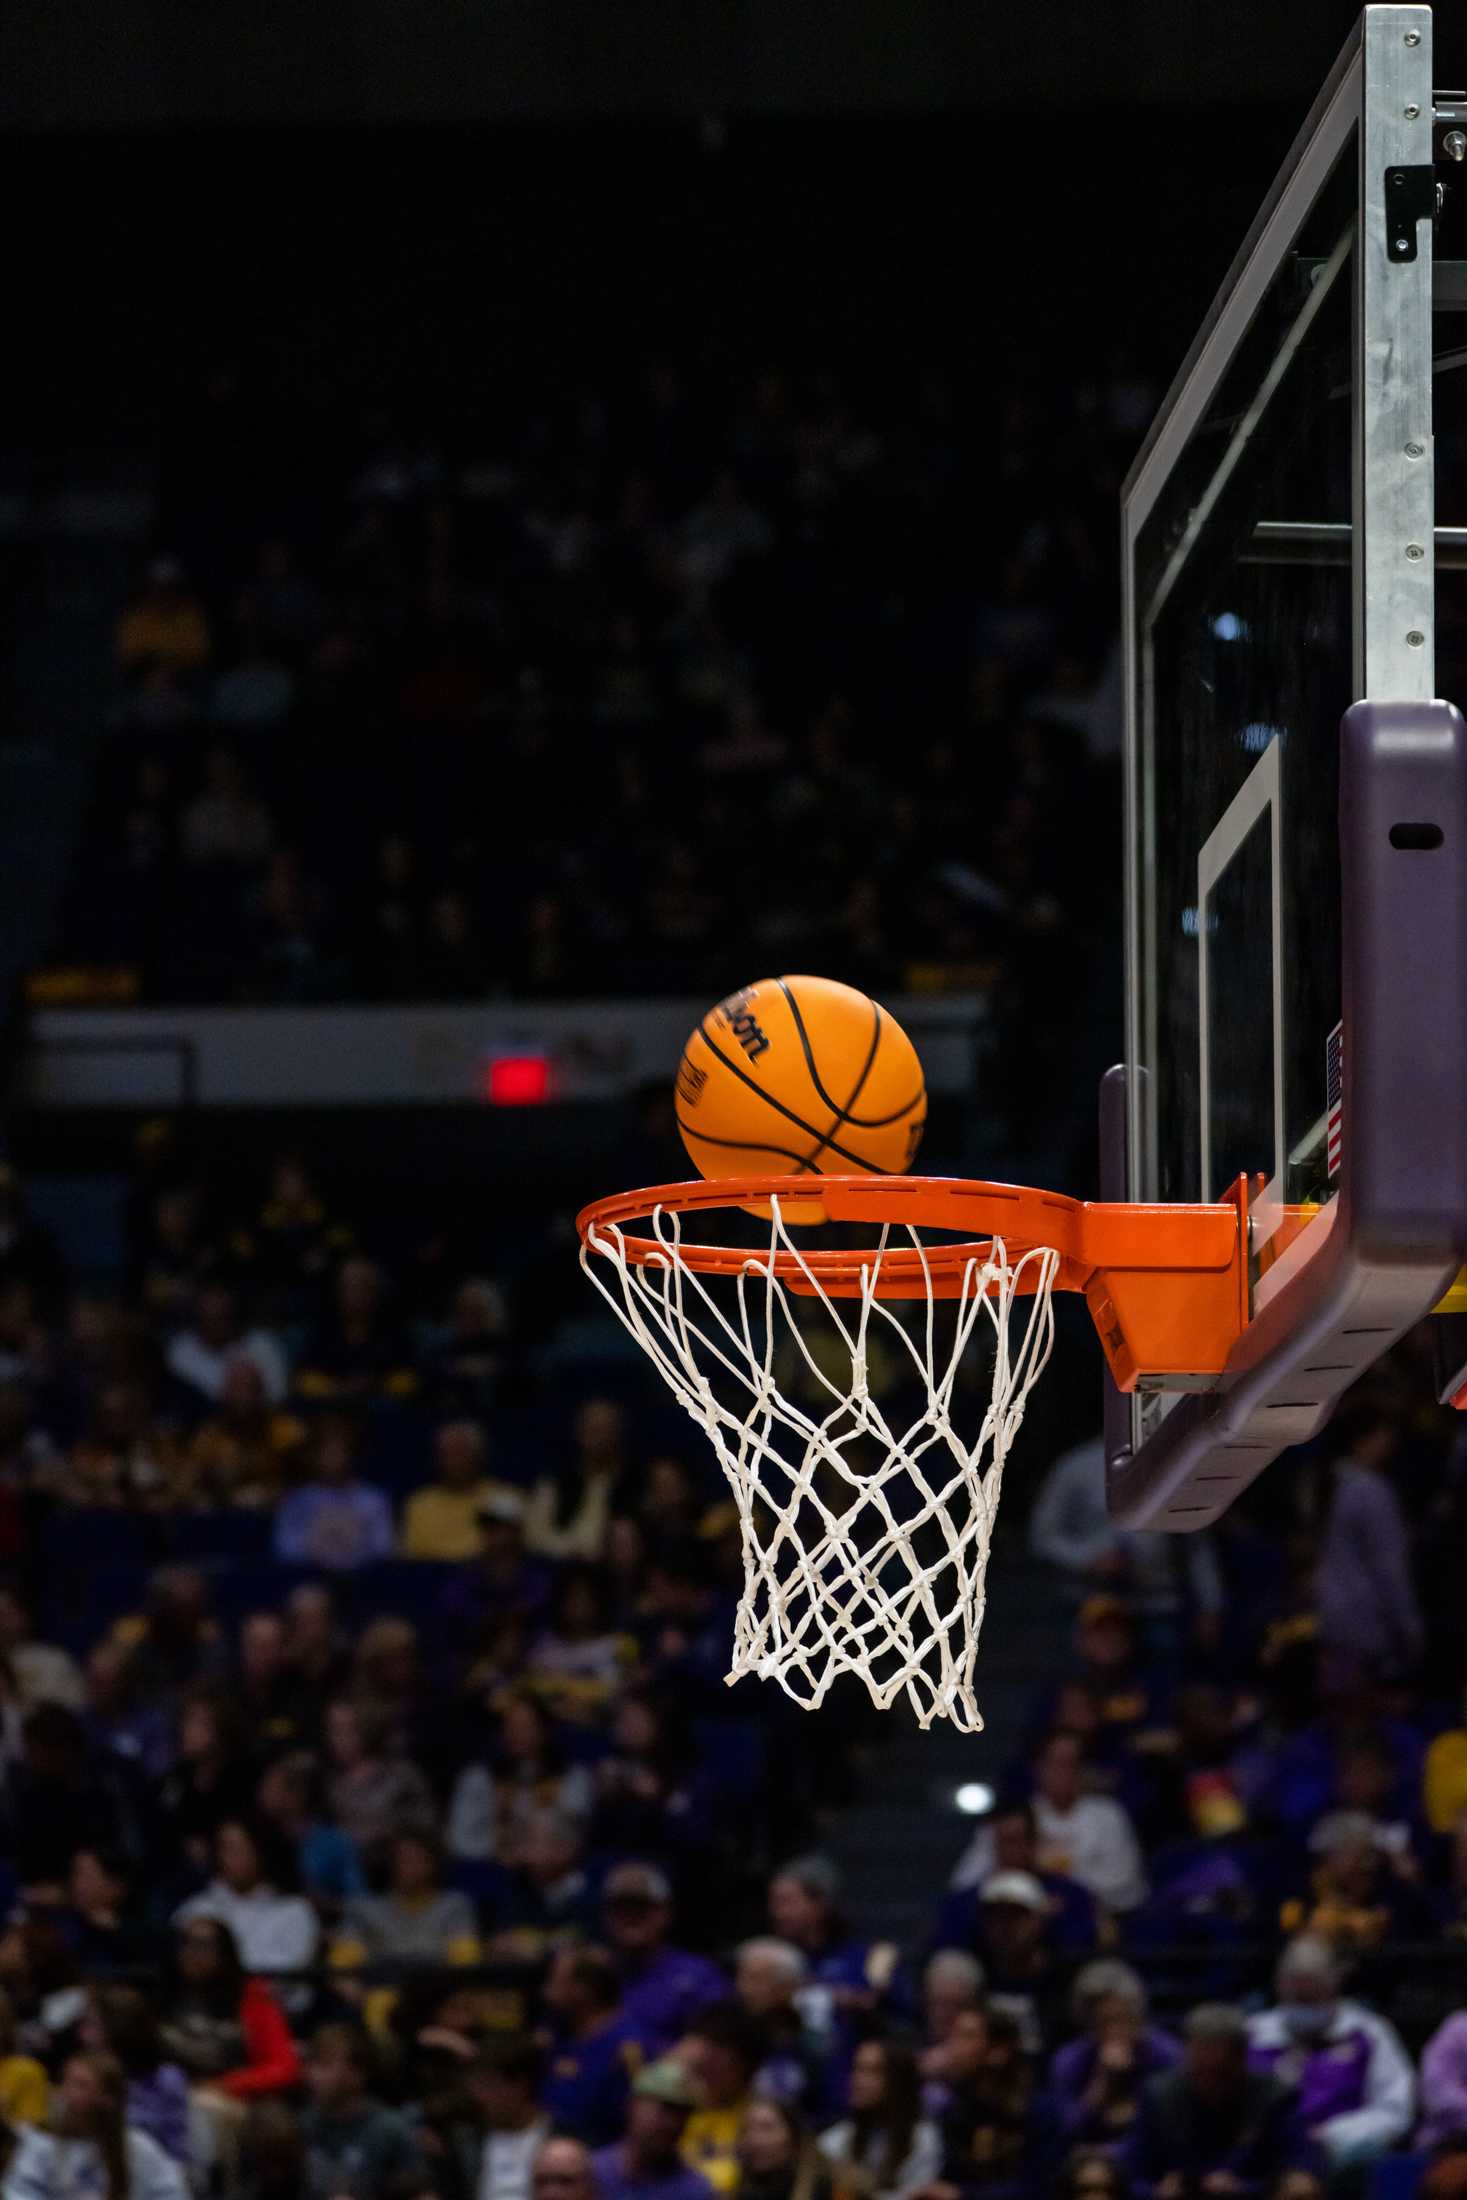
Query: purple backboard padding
(1400, 1227)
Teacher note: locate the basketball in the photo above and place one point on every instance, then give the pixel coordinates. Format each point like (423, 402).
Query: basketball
(800, 1077)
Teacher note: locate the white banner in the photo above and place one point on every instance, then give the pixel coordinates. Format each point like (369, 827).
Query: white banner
(404, 1057)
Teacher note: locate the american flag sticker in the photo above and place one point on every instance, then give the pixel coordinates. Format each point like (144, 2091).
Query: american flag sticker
(1334, 1130)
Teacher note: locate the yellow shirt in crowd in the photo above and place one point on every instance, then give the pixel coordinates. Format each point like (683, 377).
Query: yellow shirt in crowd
(25, 2090)
(711, 2144)
(1446, 1780)
(444, 1524)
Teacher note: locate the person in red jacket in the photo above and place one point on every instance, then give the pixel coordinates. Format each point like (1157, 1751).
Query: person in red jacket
(226, 2029)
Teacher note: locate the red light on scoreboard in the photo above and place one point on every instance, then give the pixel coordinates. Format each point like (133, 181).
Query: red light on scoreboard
(517, 1080)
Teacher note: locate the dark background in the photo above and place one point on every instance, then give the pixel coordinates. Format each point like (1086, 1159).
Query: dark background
(165, 62)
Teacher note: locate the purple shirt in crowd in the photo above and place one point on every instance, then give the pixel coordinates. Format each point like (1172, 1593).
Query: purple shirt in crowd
(1444, 2084)
(617, 2180)
(660, 2000)
(158, 2105)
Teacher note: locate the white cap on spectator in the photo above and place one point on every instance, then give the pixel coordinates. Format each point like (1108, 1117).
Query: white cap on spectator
(1340, 1829)
(1021, 1889)
(637, 1883)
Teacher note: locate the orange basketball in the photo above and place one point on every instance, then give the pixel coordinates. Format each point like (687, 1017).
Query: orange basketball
(800, 1077)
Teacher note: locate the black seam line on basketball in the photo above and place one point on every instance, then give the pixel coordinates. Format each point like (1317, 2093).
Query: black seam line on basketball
(789, 1114)
(842, 1115)
(745, 1145)
(858, 1122)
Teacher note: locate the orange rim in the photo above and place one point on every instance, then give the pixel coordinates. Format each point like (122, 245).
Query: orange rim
(1167, 1285)
(1086, 1234)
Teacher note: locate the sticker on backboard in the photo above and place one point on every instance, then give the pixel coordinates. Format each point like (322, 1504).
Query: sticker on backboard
(1335, 1079)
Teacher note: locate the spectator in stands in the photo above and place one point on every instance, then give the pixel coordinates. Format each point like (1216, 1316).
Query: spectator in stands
(101, 1922)
(646, 2163)
(351, 2139)
(242, 1453)
(570, 1511)
(769, 1980)
(25, 2088)
(1017, 1950)
(328, 1864)
(227, 2030)
(669, 1500)
(503, 1580)
(374, 1795)
(562, 2171)
(124, 1462)
(415, 1920)
(1368, 1778)
(951, 1983)
(272, 2153)
(1008, 1841)
(1087, 1836)
(119, 1719)
(441, 1521)
(1344, 2067)
(578, 1664)
(652, 1797)
(358, 1350)
(201, 1356)
(316, 1655)
(122, 2021)
(263, 1691)
(1213, 2119)
(1359, 1894)
(463, 1369)
(1444, 2085)
(720, 2053)
(1070, 1527)
(1095, 2080)
(210, 1781)
(504, 2085)
(295, 1238)
(549, 1896)
(804, 1898)
(273, 1930)
(777, 2158)
(44, 1673)
(164, 625)
(663, 1987)
(176, 1644)
(91, 2146)
(996, 2138)
(885, 2140)
(595, 2051)
(43, 1978)
(1369, 1618)
(528, 1771)
(334, 1520)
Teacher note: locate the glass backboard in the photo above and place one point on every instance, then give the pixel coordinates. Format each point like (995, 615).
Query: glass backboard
(1278, 540)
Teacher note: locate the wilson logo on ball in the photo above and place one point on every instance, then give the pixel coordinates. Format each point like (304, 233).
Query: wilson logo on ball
(744, 1025)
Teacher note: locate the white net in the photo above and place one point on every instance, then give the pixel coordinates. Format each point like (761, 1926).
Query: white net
(866, 1519)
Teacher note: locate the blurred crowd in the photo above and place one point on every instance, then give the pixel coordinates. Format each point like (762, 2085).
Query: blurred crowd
(375, 1823)
(447, 722)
